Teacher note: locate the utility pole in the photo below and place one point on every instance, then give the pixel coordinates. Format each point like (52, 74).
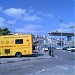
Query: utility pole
(61, 31)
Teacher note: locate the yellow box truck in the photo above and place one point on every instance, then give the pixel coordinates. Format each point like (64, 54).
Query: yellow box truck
(16, 45)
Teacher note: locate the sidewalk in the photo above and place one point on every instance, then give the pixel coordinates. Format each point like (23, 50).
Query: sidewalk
(45, 55)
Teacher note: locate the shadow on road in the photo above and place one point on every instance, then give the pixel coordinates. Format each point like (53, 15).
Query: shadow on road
(33, 55)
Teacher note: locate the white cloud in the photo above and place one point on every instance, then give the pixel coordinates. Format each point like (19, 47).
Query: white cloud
(6, 23)
(11, 22)
(22, 14)
(31, 9)
(39, 13)
(31, 18)
(45, 15)
(2, 21)
(49, 15)
(66, 27)
(15, 12)
(34, 29)
(0, 8)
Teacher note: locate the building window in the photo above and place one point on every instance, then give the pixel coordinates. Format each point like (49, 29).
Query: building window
(19, 41)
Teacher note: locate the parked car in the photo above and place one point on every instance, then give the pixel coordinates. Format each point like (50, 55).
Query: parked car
(65, 48)
(45, 49)
(72, 48)
(58, 48)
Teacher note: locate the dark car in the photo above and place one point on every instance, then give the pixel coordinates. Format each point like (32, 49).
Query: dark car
(65, 48)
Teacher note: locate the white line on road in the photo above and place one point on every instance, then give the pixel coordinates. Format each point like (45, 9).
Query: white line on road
(62, 67)
(20, 67)
(27, 66)
(40, 71)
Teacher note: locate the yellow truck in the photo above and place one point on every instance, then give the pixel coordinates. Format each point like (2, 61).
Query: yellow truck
(16, 45)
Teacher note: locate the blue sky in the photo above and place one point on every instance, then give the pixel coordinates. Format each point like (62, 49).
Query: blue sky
(37, 16)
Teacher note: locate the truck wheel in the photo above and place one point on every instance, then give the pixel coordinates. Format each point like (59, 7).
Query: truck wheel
(18, 54)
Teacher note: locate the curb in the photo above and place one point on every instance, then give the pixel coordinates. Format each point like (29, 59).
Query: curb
(25, 60)
(14, 61)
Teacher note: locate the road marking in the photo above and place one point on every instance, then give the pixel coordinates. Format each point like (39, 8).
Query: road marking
(20, 67)
(41, 71)
(74, 67)
(27, 66)
(62, 67)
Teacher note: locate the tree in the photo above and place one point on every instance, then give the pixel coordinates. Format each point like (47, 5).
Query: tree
(0, 31)
(4, 31)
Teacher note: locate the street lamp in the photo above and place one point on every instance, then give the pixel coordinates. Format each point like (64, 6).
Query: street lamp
(61, 32)
(73, 27)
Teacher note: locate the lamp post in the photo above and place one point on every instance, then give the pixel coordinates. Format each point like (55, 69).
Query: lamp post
(61, 32)
(73, 27)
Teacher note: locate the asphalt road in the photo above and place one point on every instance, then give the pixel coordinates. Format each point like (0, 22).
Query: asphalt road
(61, 64)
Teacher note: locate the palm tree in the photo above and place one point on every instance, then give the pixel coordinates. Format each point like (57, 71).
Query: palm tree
(0, 31)
(4, 31)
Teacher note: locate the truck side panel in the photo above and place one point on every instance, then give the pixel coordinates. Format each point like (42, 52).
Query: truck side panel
(10, 45)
